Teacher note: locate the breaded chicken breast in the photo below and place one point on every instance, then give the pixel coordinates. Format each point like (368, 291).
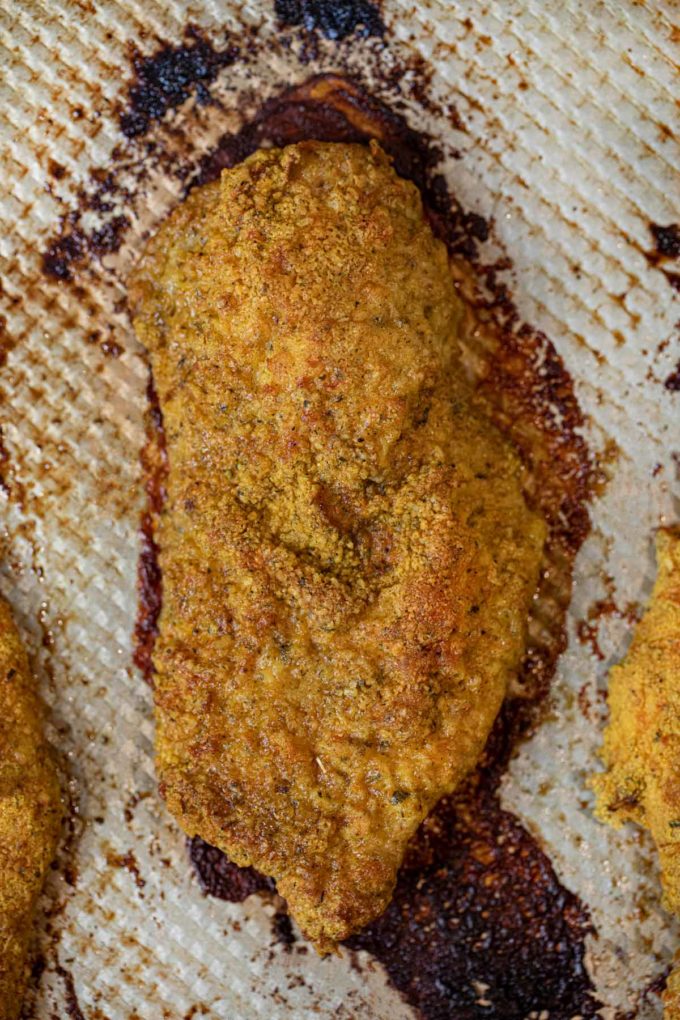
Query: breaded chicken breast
(346, 551)
(30, 813)
(641, 748)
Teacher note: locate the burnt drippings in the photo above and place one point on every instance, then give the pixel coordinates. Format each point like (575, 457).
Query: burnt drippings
(7, 343)
(6, 340)
(282, 930)
(75, 243)
(666, 248)
(167, 78)
(666, 240)
(220, 877)
(672, 382)
(71, 1003)
(479, 925)
(149, 580)
(161, 81)
(336, 19)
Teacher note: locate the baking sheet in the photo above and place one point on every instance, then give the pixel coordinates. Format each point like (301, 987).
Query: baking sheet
(562, 116)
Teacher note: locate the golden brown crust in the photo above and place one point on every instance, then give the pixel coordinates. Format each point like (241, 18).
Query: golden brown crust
(30, 813)
(347, 556)
(642, 741)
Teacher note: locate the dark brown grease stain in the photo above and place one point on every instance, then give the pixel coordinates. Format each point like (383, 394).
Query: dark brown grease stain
(133, 801)
(479, 925)
(6, 344)
(5, 479)
(6, 340)
(74, 244)
(335, 19)
(128, 861)
(666, 247)
(672, 383)
(149, 581)
(196, 1010)
(55, 169)
(219, 877)
(673, 279)
(71, 1004)
(666, 240)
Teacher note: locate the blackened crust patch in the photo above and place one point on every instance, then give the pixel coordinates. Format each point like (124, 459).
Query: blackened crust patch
(166, 79)
(336, 19)
(480, 925)
(672, 383)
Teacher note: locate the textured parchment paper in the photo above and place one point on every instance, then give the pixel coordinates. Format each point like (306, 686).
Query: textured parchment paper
(569, 111)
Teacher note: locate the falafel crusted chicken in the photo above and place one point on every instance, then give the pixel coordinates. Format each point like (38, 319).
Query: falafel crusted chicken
(641, 748)
(347, 555)
(30, 813)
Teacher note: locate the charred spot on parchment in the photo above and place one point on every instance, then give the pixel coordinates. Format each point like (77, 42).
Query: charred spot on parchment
(335, 19)
(76, 243)
(672, 383)
(165, 79)
(666, 239)
(161, 81)
(666, 247)
(220, 877)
